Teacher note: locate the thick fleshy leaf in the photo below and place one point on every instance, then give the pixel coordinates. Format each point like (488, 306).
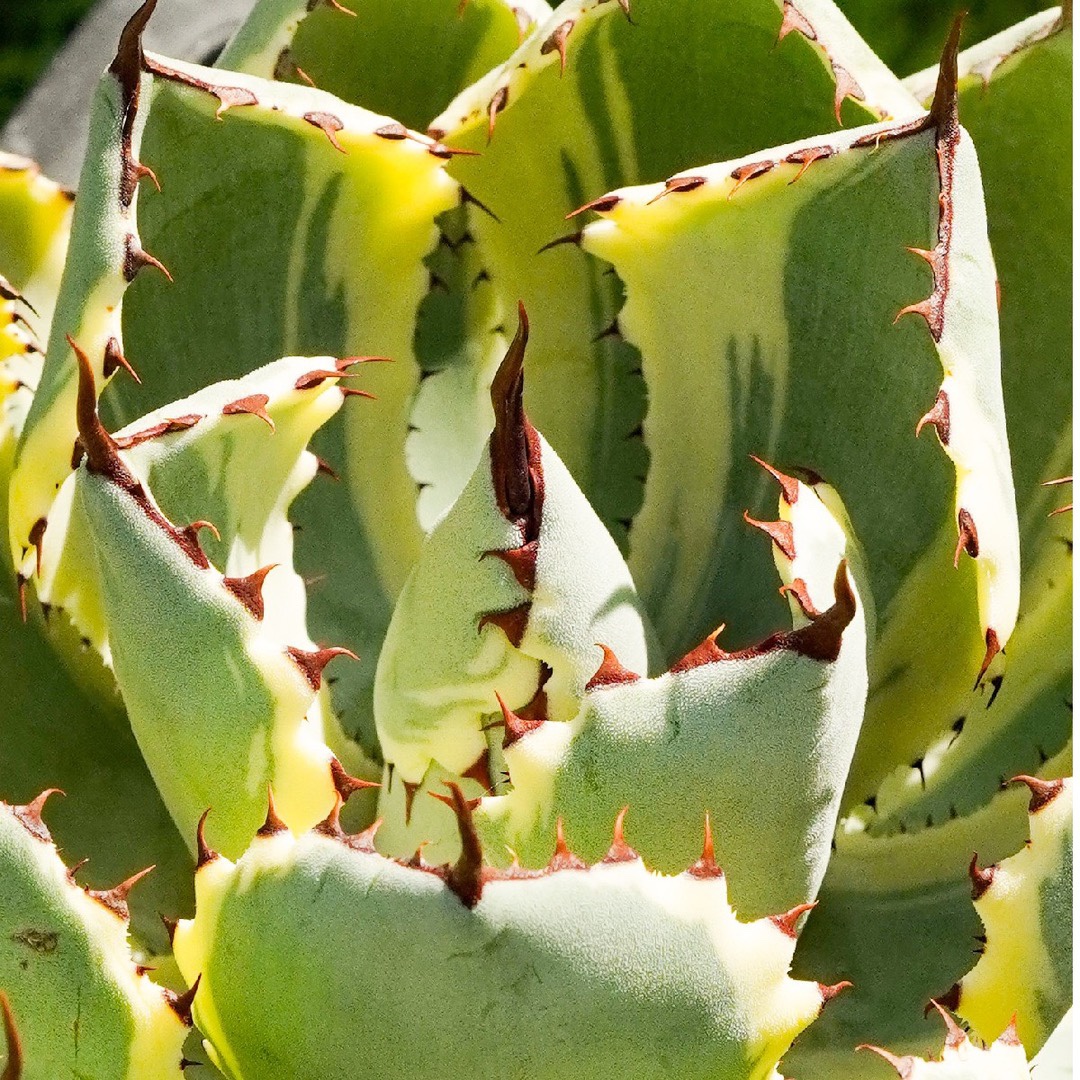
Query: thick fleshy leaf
(679, 83)
(217, 675)
(82, 1007)
(548, 970)
(768, 255)
(319, 235)
(895, 917)
(408, 60)
(35, 221)
(906, 33)
(960, 744)
(1025, 904)
(961, 1059)
(760, 738)
(514, 588)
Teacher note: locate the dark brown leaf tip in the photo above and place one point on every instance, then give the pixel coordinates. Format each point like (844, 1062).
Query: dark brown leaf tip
(13, 1070)
(943, 110)
(563, 858)
(516, 470)
(272, 825)
(466, 877)
(29, 816)
(347, 785)
(311, 662)
(789, 486)
(610, 672)
(981, 877)
(620, 851)
(706, 866)
(788, 922)
(204, 853)
(516, 727)
(115, 899)
(252, 405)
(182, 1004)
(938, 415)
(1043, 792)
(782, 533)
(248, 590)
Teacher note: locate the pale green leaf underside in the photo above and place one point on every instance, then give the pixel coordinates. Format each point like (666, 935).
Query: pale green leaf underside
(81, 1008)
(543, 975)
(684, 83)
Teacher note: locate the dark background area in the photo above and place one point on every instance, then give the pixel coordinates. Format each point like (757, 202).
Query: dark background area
(907, 34)
(30, 32)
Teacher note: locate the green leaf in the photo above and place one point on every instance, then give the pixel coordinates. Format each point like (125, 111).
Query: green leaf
(607, 956)
(1013, 97)
(1025, 904)
(81, 1006)
(320, 226)
(218, 678)
(683, 82)
(407, 60)
(768, 255)
(760, 738)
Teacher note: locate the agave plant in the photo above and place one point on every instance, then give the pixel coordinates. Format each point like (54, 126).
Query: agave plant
(540, 818)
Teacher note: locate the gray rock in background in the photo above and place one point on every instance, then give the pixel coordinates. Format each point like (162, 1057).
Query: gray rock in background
(50, 125)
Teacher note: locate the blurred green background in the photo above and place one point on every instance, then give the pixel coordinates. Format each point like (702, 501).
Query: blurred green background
(907, 34)
(30, 32)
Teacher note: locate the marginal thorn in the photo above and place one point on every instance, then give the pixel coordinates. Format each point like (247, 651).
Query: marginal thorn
(938, 415)
(706, 866)
(29, 816)
(144, 171)
(37, 538)
(181, 1004)
(610, 672)
(620, 851)
(329, 125)
(789, 486)
(788, 922)
(780, 532)
(563, 858)
(981, 877)
(556, 42)
(921, 308)
(993, 647)
(904, 1066)
(204, 853)
(1010, 1036)
(496, 105)
(570, 238)
(1043, 792)
(115, 899)
(252, 405)
(347, 785)
(312, 662)
(967, 538)
(516, 727)
(272, 825)
(829, 992)
(602, 205)
(248, 590)
(115, 359)
(954, 1033)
